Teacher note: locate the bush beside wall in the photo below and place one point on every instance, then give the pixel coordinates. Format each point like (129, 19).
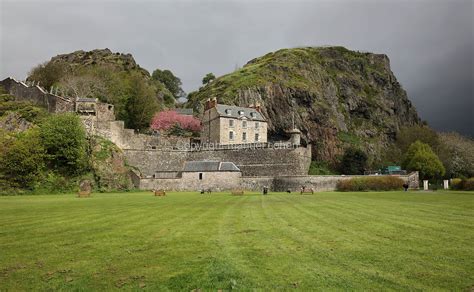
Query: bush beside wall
(385, 183)
(462, 184)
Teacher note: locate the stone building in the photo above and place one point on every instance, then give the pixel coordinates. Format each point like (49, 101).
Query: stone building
(228, 124)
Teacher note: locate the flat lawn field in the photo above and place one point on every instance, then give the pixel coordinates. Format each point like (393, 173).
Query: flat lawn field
(186, 241)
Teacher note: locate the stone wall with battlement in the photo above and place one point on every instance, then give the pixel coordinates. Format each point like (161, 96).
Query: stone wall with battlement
(37, 95)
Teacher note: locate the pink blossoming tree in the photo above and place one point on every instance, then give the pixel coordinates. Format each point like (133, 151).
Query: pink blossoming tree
(166, 120)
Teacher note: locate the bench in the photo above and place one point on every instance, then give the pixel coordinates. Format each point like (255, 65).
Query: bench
(237, 193)
(159, 193)
(306, 191)
(84, 194)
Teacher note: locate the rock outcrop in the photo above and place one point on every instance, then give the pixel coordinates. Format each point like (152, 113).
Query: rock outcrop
(100, 58)
(108, 165)
(339, 98)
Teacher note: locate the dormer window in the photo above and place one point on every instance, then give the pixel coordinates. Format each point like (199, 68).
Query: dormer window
(253, 114)
(228, 111)
(241, 113)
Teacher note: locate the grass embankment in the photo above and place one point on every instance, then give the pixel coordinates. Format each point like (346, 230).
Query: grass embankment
(391, 240)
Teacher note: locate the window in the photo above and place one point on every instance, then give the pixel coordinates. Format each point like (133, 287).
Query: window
(228, 112)
(241, 113)
(231, 135)
(244, 124)
(200, 176)
(231, 123)
(256, 137)
(252, 114)
(257, 125)
(244, 136)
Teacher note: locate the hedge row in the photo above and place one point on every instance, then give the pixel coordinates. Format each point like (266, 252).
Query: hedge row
(463, 184)
(372, 183)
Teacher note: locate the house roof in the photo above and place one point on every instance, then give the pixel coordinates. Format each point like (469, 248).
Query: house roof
(233, 111)
(209, 166)
(86, 99)
(184, 111)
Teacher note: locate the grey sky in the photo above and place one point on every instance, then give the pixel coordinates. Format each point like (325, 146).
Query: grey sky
(430, 43)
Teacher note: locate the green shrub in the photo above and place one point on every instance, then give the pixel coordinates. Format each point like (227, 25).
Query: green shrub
(469, 184)
(54, 183)
(464, 184)
(372, 183)
(456, 184)
(21, 160)
(64, 140)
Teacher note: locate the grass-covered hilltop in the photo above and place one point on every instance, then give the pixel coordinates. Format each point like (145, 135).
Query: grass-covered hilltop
(342, 98)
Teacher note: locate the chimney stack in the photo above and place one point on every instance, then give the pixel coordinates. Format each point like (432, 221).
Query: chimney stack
(257, 106)
(210, 103)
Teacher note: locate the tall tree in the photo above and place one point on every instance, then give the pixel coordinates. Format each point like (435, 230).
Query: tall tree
(171, 82)
(460, 155)
(420, 157)
(141, 104)
(354, 161)
(208, 78)
(48, 74)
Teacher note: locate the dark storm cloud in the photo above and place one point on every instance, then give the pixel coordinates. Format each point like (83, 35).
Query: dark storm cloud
(430, 43)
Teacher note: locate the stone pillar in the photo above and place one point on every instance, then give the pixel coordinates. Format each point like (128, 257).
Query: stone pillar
(425, 185)
(295, 137)
(446, 184)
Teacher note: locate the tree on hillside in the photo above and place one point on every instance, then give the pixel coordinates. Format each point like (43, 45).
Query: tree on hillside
(64, 140)
(141, 104)
(48, 74)
(420, 157)
(208, 78)
(408, 135)
(354, 161)
(83, 86)
(172, 83)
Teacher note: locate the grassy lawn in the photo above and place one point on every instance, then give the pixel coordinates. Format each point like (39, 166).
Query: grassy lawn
(184, 241)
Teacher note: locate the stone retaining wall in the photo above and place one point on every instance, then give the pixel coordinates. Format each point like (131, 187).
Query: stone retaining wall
(231, 181)
(252, 162)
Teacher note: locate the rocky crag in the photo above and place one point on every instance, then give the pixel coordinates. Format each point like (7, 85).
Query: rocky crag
(339, 98)
(100, 58)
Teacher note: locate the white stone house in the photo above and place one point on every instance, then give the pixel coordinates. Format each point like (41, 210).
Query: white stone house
(228, 124)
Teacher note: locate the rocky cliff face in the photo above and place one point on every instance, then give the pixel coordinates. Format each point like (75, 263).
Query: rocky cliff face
(339, 98)
(100, 58)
